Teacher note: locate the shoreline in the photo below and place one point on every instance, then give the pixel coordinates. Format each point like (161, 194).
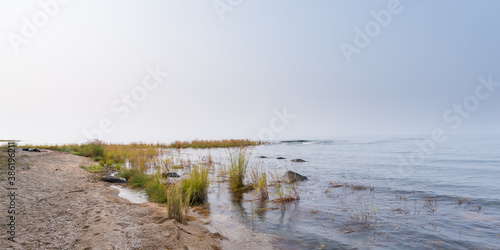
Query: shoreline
(61, 205)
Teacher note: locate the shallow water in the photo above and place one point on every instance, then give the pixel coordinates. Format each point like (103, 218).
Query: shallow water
(449, 200)
(132, 195)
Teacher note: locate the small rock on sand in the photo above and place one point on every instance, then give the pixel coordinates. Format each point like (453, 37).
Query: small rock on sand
(113, 179)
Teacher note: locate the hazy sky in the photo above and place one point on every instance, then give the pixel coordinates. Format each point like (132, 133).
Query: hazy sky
(234, 67)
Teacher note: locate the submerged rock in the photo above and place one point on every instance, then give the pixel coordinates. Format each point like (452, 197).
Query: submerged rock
(281, 158)
(298, 160)
(113, 179)
(170, 174)
(291, 176)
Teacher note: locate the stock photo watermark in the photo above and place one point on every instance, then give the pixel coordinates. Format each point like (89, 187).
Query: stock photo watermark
(453, 116)
(11, 191)
(127, 102)
(363, 36)
(222, 7)
(39, 20)
(277, 124)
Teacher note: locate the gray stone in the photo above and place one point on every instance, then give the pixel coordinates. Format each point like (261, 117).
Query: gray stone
(291, 176)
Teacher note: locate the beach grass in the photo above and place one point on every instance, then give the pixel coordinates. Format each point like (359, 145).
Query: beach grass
(178, 203)
(238, 164)
(286, 192)
(365, 212)
(156, 189)
(134, 159)
(195, 185)
(259, 183)
(3, 162)
(138, 180)
(139, 155)
(127, 173)
(93, 168)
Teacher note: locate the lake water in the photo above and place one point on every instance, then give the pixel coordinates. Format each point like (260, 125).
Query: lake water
(360, 195)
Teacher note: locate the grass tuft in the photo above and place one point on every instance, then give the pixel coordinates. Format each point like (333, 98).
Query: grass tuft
(128, 173)
(365, 212)
(92, 169)
(195, 185)
(238, 164)
(157, 191)
(178, 204)
(138, 180)
(259, 183)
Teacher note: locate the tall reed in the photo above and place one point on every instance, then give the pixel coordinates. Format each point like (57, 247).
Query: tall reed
(196, 184)
(259, 183)
(178, 203)
(238, 164)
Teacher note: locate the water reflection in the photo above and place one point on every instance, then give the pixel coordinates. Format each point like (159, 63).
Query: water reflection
(237, 202)
(261, 210)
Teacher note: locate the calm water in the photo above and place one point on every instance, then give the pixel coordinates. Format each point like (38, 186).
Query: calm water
(450, 199)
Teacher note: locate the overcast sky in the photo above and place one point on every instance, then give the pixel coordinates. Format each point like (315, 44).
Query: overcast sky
(73, 70)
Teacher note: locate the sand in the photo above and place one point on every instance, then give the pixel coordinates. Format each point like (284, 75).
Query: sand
(61, 206)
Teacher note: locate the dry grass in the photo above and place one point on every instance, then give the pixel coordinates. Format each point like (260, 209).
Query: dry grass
(286, 193)
(3, 162)
(259, 182)
(352, 186)
(365, 212)
(177, 204)
(430, 204)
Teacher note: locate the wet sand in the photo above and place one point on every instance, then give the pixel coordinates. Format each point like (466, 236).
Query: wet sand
(61, 206)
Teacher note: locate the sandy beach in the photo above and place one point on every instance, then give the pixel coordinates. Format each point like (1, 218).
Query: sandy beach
(61, 206)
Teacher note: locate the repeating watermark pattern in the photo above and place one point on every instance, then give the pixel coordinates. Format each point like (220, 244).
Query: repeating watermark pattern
(363, 37)
(12, 192)
(127, 102)
(277, 124)
(453, 116)
(222, 7)
(31, 27)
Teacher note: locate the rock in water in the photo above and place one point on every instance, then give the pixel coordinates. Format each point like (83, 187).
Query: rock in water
(170, 174)
(290, 176)
(281, 158)
(113, 179)
(262, 157)
(298, 160)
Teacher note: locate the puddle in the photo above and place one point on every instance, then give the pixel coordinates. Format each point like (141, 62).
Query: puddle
(238, 235)
(132, 195)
